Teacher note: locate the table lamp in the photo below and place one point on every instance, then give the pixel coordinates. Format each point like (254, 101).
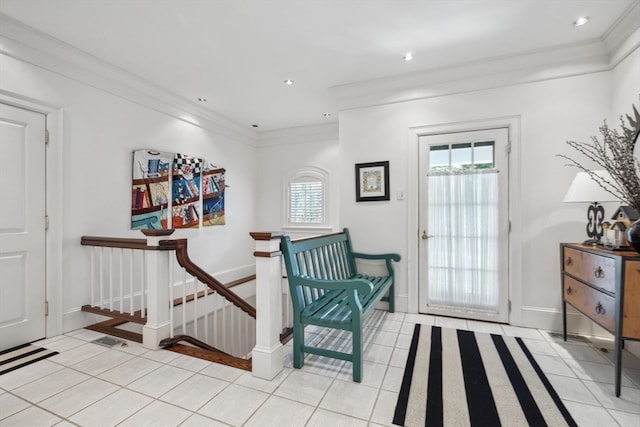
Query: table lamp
(584, 189)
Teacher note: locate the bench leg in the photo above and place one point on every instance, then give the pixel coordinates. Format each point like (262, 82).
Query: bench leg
(392, 299)
(298, 345)
(356, 336)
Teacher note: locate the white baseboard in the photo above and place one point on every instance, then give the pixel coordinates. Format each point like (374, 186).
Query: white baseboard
(78, 319)
(402, 304)
(577, 324)
(551, 320)
(226, 276)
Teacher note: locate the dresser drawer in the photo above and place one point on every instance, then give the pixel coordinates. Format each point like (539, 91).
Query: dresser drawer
(597, 270)
(594, 304)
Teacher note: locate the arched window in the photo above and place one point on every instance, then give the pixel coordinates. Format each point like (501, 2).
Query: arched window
(306, 198)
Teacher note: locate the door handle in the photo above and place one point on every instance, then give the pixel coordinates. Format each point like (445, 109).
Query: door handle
(424, 235)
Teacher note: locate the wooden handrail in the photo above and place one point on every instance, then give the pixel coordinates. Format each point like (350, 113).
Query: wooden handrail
(180, 246)
(182, 255)
(116, 242)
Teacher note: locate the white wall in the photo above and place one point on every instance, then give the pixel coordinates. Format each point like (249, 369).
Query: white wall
(625, 88)
(284, 151)
(550, 112)
(625, 92)
(99, 133)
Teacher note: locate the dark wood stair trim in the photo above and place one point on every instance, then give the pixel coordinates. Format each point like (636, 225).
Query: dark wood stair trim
(135, 318)
(204, 351)
(108, 327)
(286, 335)
(168, 342)
(212, 356)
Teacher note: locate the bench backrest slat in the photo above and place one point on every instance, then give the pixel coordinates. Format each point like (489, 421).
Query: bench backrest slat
(326, 257)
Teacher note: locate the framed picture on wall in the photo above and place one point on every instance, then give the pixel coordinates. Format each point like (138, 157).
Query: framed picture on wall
(372, 181)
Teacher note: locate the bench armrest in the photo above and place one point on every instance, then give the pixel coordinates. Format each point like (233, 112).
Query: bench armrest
(386, 257)
(363, 286)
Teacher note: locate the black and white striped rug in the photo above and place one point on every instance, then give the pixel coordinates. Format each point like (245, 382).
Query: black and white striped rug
(464, 378)
(23, 355)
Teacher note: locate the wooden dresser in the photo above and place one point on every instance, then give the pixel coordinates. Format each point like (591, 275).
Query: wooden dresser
(603, 285)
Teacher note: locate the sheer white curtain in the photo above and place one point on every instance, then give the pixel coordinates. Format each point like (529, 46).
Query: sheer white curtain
(463, 252)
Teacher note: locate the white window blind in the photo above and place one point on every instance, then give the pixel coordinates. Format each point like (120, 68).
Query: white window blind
(306, 201)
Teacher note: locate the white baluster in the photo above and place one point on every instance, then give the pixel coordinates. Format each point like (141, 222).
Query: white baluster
(216, 332)
(131, 290)
(195, 307)
(121, 278)
(143, 281)
(206, 313)
(101, 270)
(224, 324)
(93, 276)
(184, 302)
(111, 279)
(171, 306)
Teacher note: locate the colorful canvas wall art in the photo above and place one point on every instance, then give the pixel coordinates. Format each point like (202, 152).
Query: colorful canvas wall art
(150, 189)
(176, 183)
(185, 207)
(213, 197)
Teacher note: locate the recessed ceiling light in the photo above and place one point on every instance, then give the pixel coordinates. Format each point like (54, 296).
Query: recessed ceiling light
(581, 21)
(327, 114)
(408, 56)
(288, 82)
(202, 99)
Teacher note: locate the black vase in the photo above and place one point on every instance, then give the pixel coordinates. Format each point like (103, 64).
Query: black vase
(633, 235)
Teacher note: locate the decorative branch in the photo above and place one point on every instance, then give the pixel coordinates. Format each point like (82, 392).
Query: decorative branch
(615, 155)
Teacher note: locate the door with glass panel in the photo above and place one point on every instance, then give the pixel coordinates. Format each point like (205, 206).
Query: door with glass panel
(464, 225)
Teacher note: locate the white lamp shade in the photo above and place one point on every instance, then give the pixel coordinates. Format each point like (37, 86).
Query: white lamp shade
(584, 189)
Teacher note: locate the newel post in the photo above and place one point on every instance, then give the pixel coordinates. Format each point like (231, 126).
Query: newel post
(156, 282)
(268, 354)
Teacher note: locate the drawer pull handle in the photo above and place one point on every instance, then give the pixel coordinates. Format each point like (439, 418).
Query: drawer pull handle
(569, 290)
(600, 309)
(568, 261)
(599, 273)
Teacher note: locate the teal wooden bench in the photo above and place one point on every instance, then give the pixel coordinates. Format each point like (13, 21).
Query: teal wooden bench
(326, 290)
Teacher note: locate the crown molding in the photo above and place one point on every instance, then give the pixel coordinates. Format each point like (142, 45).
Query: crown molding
(30, 45)
(299, 135)
(623, 37)
(571, 60)
(592, 56)
(626, 48)
(616, 38)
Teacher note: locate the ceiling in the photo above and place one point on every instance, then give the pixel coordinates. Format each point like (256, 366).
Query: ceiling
(238, 53)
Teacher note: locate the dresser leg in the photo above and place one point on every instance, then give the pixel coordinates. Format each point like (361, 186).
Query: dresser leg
(564, 320)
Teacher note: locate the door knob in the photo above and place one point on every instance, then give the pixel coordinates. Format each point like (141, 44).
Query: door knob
(424, 235)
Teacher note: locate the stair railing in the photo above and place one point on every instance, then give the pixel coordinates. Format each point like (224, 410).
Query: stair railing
(117, 274)
(153, 281)
(205, 309)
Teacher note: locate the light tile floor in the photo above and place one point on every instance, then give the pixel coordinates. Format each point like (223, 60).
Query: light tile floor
(91, 385)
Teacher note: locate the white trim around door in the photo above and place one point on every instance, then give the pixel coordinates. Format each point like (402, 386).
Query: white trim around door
(54, 208)
(512, 123)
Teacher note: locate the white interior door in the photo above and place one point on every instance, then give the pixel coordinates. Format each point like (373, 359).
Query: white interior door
(22, 226)
(464, 225)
